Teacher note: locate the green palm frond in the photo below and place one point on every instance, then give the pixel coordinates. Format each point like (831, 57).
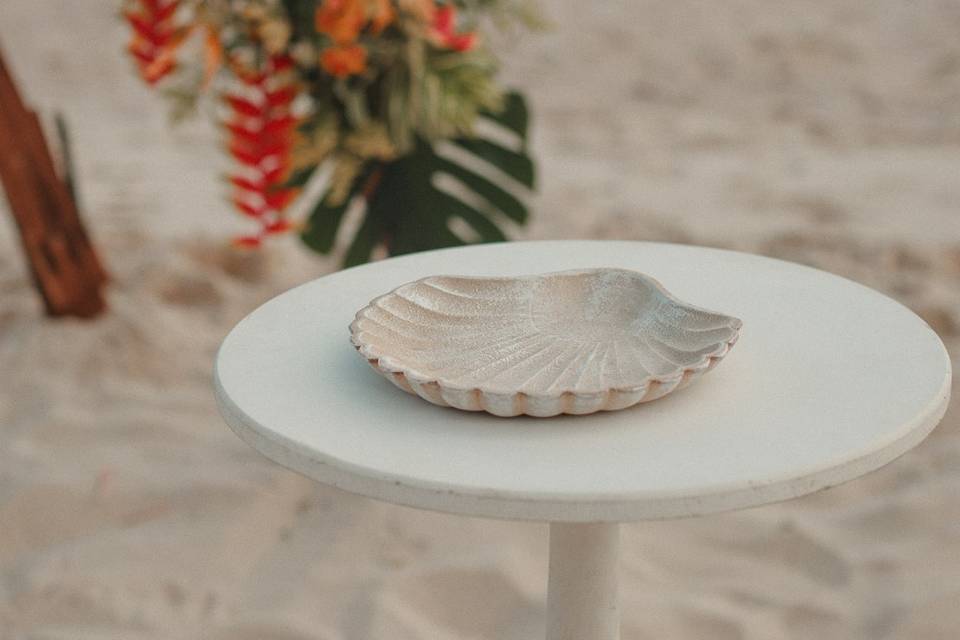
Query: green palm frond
(441, 195)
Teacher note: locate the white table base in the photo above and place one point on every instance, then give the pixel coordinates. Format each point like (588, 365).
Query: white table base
(582, 592)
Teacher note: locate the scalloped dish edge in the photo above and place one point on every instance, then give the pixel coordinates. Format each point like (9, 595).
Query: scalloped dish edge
(544, 405)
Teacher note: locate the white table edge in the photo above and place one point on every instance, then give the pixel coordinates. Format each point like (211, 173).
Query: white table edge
(546, 507)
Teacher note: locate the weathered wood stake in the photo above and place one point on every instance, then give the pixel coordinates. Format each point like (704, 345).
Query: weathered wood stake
(63, 263)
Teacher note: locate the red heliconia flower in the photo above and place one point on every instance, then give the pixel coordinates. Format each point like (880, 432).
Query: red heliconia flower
(444, 30)
(247, 242)
(261, 130)
(155, 38)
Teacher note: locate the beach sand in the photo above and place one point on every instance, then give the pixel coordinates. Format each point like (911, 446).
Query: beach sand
(825, 132)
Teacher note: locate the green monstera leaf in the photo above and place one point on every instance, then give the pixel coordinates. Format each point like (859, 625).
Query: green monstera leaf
(441, 195)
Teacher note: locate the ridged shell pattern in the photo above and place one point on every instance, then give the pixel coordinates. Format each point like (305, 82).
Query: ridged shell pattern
(565, 342)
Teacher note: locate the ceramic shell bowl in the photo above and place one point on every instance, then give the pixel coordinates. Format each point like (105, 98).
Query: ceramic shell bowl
(565, 342)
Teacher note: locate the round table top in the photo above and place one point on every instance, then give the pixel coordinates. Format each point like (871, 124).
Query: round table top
(829, 381)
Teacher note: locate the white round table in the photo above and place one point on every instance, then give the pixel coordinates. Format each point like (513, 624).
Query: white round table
(830, 380)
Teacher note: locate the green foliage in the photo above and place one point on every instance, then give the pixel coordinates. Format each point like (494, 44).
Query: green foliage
(404, 208)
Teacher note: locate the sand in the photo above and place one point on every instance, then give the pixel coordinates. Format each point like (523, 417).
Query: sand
(825, 132)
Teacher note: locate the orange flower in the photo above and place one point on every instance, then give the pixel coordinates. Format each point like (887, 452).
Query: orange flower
(212, 54)
(342, 20)
(344, 60)
(383, 15)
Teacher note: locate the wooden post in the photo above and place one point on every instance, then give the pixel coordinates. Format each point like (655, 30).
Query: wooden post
(65, 268)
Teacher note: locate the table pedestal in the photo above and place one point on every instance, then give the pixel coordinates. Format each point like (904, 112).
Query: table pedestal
(582, 597)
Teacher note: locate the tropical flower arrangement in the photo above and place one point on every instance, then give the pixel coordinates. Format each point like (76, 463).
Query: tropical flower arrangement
(391, 105)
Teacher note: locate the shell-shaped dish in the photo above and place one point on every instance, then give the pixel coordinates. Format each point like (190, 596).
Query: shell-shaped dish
(565, 342)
